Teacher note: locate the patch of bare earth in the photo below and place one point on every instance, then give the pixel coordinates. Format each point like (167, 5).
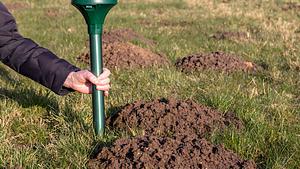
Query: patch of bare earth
(152, 152)
(171, 116)
(118, 52)
(125, 35)
(173, 137)
(214, 61)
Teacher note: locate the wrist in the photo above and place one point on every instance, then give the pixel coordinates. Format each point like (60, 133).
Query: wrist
(68, 81)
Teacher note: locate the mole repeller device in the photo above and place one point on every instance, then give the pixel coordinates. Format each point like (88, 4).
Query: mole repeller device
(94, 13)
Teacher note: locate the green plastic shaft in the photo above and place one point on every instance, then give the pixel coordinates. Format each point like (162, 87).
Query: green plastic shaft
(94, 13)
(98, 96)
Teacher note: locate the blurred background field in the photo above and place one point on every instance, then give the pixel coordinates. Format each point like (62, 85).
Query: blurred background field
(41, 130)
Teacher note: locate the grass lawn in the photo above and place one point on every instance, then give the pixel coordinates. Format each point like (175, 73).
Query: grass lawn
(41, 130)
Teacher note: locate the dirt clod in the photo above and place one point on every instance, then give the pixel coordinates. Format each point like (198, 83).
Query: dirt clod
(55, 12)
(172, 117)
(291, 6)
(163, 152)
(214, 61)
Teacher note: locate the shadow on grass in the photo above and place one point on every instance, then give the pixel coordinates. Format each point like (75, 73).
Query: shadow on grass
(5, 75)
(28, 98)
(113, 111)
(25, 97)
(97, 147)
(72, 118)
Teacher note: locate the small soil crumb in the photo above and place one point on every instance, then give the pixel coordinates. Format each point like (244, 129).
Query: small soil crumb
(16, 5)
(55, 12)
(126, 56)
(125, 35)
(171, 117)
(230, 35)
(182, 23)
(214, 61)
(154, 152)
(291, 6)
(226, 1)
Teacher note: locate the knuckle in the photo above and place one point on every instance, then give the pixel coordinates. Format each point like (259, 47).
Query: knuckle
(86, 73)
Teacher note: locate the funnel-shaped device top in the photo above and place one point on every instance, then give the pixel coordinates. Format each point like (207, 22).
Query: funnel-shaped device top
(94, 12)
(94, 2)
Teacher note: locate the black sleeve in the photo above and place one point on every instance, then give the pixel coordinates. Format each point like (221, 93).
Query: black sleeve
(29, 59)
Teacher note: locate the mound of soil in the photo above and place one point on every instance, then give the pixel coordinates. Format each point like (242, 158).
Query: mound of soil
(163, 152)
(125, 35)
(127, 55)
(173, 137)
(171, 117)
(118, 52)
(230, 35)
(291, 6)
(214, 61)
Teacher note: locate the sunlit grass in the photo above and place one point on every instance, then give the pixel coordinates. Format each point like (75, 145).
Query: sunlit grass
(41, 130)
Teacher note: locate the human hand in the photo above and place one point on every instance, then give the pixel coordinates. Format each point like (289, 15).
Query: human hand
(82, 81)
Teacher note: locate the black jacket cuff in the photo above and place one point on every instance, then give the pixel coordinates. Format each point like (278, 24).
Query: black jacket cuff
(62, 74)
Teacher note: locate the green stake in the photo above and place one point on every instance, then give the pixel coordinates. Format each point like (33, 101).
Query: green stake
(94, 13)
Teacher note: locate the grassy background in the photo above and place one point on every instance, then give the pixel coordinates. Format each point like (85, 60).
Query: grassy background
(41, 130)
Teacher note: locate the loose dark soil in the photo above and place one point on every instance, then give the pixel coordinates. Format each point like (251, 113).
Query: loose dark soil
(162, 152)
(118, 52)
(171, 117)
(126, 56)
(230, 35)
(173, 137)
(214, 61)
(125, 35)
(291, 6)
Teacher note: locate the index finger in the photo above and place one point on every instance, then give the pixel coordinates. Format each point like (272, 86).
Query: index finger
(104, 75)
(90, 77)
